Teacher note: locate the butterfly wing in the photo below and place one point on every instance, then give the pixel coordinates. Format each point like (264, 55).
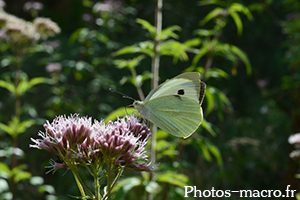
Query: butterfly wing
(180, 116)
(186, 84)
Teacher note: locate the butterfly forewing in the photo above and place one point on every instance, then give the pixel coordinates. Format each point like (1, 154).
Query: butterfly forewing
(185, 84)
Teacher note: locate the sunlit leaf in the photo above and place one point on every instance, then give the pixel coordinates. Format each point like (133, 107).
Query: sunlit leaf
(146, 47)
(209, 97)
(169, 33)
(203, 51)
(8, 85)
(243, 56)
(238, 22)
(204, 32)
(210, 2)
(25, 85)
(47, 188)
(130, 64)
(205, 152)
(148, 26)
(212, 14)
(16, 127)
(4, 171)
(175, 49)
(76, 34)
(237, 7)
(216, 153)
(120, 112)
(6, 128)
(173, 178)
(192, 42)
(208, 127)
(127, 184)
(153, 187)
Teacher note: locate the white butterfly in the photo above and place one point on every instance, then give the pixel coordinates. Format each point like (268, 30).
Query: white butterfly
(175, 105)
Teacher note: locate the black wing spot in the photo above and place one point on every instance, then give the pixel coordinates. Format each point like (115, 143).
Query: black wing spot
(180, 92)
(177, 96)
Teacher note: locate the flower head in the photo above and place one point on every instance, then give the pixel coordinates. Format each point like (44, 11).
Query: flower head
(46, 27)
(53, 67)
(76, 140)
(294, 139)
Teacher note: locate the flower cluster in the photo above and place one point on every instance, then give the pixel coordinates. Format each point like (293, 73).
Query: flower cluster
(78, 141)
(45, 27)
(21, 34)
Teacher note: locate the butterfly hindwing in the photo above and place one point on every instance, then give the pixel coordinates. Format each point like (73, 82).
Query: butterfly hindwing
(181, 116)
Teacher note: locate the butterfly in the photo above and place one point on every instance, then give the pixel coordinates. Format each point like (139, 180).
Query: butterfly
(175, 105)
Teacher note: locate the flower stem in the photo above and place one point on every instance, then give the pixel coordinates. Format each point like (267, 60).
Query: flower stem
(80, 187)
(120, 171)
(155, 73)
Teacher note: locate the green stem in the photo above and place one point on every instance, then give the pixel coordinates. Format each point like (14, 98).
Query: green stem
(155, 73)
(19, 61)
(80, 187)
(109, 173)
(138, 87)
(120, 171)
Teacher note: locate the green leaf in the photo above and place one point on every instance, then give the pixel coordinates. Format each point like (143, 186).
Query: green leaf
(8, 85)
(215, 12)
(210, 2)
(25, 85)
(212, 73)
(153, 187)
(203, 51)
(146, 47)
(216, 153)
(47, 188)
(204, 32)
(238, 22)
(21, 175)
(14, 126)
(81, 32)
(130, 64)
(205, 152)
(125, 50)
(127, 184)
(208, 149)
(4, 171)
(120, 112)
(237, 7)
(232, 11)
(6, 128)
(208, 127)
(173, 178)
(169, 33)
(209, 99)
(24, 125)
(192, 42)
(175, 49)
(243, 57)
(151, 29)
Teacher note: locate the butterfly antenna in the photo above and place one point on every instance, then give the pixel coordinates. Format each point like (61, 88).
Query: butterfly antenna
(124, 95)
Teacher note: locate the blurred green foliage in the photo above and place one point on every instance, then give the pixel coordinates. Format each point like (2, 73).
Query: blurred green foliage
(247, 52)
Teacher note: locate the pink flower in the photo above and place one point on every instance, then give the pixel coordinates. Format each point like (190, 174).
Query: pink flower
(76, 140)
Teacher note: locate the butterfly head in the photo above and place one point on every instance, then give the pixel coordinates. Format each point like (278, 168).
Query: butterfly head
(138, 104)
